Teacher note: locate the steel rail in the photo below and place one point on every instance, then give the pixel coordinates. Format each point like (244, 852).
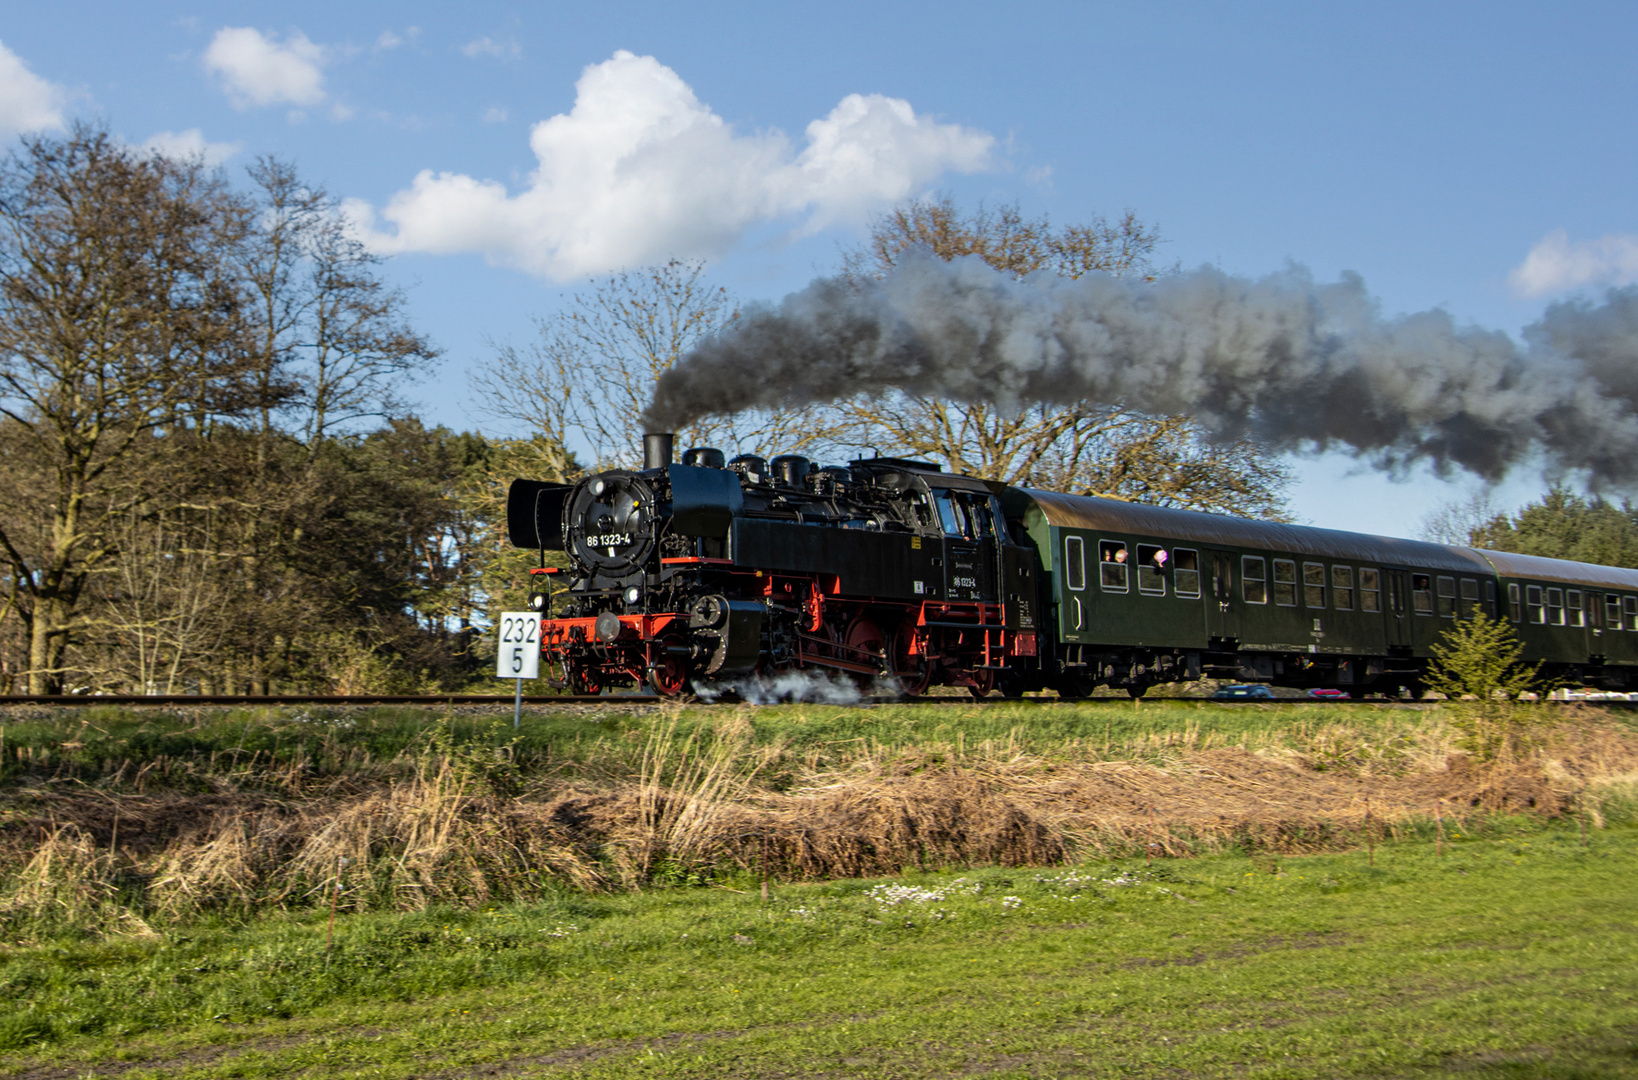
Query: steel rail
(653, 699)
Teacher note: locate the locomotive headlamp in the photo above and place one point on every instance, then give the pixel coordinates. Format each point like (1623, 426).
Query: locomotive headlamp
(537, 601)
(598, 487)
(633, 595)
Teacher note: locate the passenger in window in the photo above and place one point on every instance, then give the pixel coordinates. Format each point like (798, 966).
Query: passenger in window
(1160, 559)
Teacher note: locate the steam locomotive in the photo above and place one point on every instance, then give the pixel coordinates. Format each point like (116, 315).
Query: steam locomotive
(899, 575)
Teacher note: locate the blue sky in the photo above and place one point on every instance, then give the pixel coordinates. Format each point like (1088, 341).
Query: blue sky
(1472, 156)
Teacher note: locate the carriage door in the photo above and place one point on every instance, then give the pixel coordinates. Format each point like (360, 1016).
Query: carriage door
(1399, 629)
(968, 576)
(1222, 615)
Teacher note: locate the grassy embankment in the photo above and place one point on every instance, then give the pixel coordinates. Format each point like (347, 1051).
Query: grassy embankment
(1516, 947)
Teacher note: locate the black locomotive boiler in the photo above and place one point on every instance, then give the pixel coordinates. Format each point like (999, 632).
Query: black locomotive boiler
(888, 569)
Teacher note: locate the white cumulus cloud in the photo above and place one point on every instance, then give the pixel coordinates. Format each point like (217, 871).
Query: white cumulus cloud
(1556, 265)
(27, 102)
(191, 144)
(640, 170)
(257, 69)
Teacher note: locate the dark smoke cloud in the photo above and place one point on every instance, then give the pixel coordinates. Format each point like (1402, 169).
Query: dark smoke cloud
(1297, 364)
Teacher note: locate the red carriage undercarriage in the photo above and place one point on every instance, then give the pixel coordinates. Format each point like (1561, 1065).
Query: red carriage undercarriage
(803, 624)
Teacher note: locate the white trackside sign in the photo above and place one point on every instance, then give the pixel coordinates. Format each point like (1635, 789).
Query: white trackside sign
(518, 656)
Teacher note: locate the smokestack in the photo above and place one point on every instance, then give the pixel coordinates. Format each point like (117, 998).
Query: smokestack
(657, 450)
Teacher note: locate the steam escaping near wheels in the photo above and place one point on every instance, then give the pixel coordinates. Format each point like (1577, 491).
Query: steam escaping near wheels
(1294, 363)
(790, 687)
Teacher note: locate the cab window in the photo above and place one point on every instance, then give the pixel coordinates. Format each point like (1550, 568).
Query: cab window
(950, 515)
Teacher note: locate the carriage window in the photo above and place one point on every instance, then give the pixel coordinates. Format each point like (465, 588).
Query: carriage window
(1075, 562)
(1186, 572)
(1370, 589)
(1313, 584)
(1629, 608)
(1112, 558)
(1342, 588)
(1574, 615)
(1490, 598)
(1422, 593)
(1515, 609)
(1555, 607)
(1532, 600)
(1153, 562)
(1285, 582)
(1253, 579)
(1470, 597)
(1447, 598)
(1612, 611)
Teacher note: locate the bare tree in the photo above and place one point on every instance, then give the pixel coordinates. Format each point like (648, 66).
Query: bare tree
(163, 616)
(590, 371)
(119, 318)
(1092, 448)
(331, 343)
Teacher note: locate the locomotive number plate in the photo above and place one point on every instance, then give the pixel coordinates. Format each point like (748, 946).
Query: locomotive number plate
(608, 539)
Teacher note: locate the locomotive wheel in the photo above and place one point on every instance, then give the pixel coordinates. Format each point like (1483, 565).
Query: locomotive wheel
(1136, 690)
(669, 676)
(983, 682)
(586, 681)
(914, 672)
(864, 639)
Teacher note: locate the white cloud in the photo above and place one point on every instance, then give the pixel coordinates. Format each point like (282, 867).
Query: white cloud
(255, 69)
(388, 40)
(488, 46)
(640, 170)
(190, 144)
(494, 115)
(27, 102)
(1556, 265)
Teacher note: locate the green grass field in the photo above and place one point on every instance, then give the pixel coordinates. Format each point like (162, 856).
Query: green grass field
(1513, 956)
(1514, 953)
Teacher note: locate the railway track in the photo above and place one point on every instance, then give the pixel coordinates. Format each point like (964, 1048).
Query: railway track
(606, 699)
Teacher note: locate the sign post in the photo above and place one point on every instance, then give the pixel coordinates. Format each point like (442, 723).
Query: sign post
(518, 654)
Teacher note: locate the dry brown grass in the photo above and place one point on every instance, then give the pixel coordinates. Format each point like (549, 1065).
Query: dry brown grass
(460, 829)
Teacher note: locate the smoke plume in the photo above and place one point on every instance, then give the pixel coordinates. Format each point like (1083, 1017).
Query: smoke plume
(1293, 363)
